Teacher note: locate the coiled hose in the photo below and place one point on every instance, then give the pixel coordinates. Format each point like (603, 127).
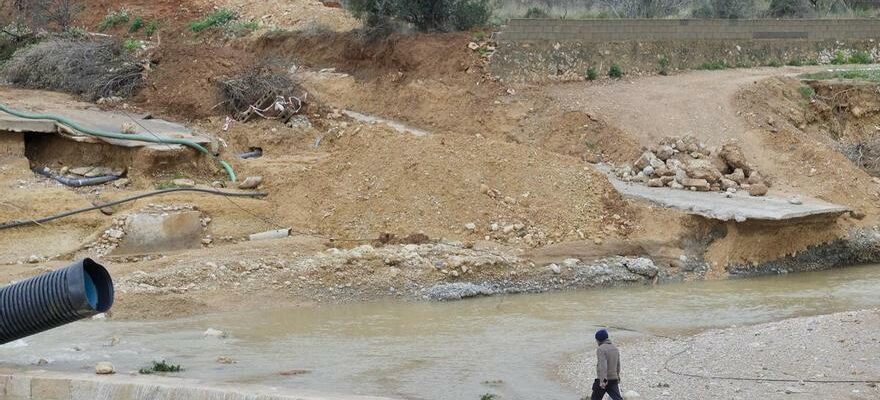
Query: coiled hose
(114, 135)
(50, 300)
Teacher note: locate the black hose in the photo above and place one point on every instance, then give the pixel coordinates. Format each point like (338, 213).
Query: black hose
(14, 224)
(98, 180)
(256, 153)
(53, 299)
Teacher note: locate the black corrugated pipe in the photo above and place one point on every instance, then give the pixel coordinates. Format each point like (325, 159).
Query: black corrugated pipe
(98, 180)
(57, 298)
(255, 152)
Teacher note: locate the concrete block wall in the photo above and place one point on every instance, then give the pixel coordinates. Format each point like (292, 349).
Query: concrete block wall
(11, 144)
(606, 30)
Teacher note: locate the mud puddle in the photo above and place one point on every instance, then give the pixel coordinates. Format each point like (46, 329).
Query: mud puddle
(508, 345)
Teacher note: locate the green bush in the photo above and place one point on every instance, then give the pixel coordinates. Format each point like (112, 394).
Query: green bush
(217, 19)
(774, 64)
(132, 45)
(591, 74)
(136, 25)
(160, 367)
(424, 15)
(663, 64)
(806, 92)
(726, 9)
(114, 19)
(151, 28)
(536, 12)
(839, 58)
(795, 62)
(714, 65)
(615, 72)
(791, 9)
(860, 57)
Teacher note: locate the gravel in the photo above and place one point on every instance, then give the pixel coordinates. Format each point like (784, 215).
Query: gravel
(843, 346)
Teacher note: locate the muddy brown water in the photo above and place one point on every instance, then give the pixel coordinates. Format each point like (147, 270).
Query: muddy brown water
(508, 345)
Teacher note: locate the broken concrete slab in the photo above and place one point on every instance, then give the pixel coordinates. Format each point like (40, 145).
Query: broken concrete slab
(739, 207)
(161, 232)
(101, 121)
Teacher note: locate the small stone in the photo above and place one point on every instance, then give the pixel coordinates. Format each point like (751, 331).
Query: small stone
(225, 360)
(121, 183)
(215, 333)
(555, 268)
(183, 182)
(656, 182)
(796, 200)
(737, 176)
(104, 368)
(758, 189)
(665, 152)
(728, 184)
(696, 184)
(81, 171)
(33, 259)
(509, 200)
(470, 226)
(207, 241)
(251, 182)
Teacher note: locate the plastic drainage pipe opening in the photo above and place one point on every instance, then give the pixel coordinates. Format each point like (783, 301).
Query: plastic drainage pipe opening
(98, 286)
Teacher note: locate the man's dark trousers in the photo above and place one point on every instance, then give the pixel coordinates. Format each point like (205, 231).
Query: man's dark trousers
(611, 388)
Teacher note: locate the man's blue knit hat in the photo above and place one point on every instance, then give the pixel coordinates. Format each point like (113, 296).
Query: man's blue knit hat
(601, 335)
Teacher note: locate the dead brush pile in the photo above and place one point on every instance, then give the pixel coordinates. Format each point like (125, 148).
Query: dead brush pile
(865, 154)
(262, 92)
(90, 68)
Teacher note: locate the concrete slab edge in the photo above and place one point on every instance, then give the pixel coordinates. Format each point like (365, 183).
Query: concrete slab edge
(45, 385)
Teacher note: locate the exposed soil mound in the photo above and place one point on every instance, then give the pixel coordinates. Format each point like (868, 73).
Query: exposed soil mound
(805, 150)
(414, 56)
(375, 181)
(185, 80)
(288, 14)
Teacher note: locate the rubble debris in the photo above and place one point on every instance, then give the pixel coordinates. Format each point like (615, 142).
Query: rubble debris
(686, 163)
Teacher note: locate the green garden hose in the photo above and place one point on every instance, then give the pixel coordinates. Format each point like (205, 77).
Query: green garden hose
(123, 136)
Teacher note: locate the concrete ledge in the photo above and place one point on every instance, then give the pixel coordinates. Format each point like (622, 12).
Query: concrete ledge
(44, 385)
(715, 205)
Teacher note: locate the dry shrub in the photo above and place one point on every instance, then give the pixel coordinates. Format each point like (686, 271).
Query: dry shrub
(865, 154)
(260, 88)
(90, 68)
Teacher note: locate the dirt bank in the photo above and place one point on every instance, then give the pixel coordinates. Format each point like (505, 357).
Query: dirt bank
(831, 347)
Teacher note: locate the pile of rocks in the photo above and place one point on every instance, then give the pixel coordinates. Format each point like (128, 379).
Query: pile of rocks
(109, 240)
(686, 163)
(90, 172)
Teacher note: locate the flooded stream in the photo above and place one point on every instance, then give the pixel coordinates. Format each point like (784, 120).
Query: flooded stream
(509, 345)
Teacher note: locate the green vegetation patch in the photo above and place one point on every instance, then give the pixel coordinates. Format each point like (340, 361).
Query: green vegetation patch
(219, 18)
(714, 65)
(114, 19)
(160, 367)
(865, 75)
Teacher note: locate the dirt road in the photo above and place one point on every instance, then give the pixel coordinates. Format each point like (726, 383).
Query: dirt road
(698, 103)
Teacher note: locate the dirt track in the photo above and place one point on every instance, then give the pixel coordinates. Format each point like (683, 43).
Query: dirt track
(698, 103)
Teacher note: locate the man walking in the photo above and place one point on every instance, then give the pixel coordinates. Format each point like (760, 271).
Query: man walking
(607, 369)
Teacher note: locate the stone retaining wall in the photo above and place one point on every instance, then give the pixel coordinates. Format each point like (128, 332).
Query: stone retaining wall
(603, 30)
